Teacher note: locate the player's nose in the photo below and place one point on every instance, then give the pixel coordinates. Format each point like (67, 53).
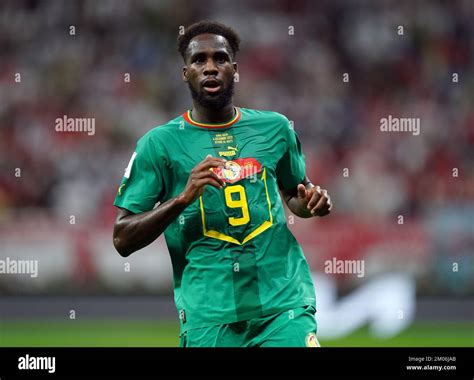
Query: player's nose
(210, 68)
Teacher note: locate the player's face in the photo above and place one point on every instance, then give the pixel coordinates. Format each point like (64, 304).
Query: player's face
(210, 70)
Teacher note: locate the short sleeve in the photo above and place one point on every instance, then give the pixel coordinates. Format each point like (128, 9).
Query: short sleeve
(143, 183)
(291, 168)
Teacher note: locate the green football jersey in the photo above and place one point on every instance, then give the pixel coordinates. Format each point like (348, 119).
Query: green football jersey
(233, 255)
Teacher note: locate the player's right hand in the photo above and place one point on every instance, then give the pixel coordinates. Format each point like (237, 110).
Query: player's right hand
(201, 176)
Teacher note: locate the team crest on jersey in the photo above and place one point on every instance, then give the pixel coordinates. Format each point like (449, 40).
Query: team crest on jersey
(238, 169)
(311, 340)
(231, 171)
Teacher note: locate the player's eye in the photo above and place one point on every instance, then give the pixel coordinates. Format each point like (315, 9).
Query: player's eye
(198, 59)
(221, 59)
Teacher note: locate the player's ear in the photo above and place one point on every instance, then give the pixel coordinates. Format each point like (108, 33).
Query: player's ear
(236, 71)
(184, 73)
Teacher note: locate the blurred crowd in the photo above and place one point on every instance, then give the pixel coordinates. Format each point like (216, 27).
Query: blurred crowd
(116, 61)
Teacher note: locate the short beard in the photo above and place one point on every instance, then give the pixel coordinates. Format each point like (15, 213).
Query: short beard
(215, 102)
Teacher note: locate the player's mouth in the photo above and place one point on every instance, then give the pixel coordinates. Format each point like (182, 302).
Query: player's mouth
(211, 86)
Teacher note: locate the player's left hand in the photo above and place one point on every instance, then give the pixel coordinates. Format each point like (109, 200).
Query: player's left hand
(316, 200)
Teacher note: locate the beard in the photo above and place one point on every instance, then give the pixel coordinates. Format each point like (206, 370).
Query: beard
(214, 102)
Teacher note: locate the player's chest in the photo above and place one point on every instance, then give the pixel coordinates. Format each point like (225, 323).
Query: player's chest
(238, 145)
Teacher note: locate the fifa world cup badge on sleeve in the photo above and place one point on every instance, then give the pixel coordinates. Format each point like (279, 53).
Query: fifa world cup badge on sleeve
(311, 340)
(182, 315)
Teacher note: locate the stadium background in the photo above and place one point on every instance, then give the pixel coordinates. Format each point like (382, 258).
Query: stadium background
(293, 59)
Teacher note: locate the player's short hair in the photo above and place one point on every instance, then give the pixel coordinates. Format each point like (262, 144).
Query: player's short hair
(211, 27)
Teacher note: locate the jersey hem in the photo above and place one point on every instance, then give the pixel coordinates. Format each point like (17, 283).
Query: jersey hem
(242, 318)
(131, 209)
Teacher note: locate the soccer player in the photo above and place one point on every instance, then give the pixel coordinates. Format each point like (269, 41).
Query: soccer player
(240, 277)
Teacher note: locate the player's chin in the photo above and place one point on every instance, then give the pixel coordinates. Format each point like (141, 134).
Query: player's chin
(211, 95)
(214, 100)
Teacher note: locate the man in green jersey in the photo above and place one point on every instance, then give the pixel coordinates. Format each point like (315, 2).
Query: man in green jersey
(216, 172)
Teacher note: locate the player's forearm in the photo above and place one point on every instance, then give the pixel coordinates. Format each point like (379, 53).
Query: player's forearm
(135, 231)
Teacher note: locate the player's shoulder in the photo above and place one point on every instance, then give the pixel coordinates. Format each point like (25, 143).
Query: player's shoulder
(268, 121)
(266, 115)
(161, 133)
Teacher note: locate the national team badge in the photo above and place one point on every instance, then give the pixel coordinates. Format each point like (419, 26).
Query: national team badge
(311, 340)
(231, 172)
(238, 169)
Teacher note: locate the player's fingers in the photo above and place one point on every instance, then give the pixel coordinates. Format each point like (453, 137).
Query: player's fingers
(207, 181)
(211, 162)
(316, 195)
(322, 205)
(324, 213)
(301, 191)
(208, 174)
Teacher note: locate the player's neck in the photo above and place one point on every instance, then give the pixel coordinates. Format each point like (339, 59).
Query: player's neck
(206, 115)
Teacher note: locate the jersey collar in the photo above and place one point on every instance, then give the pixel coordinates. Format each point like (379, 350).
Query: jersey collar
(235, 119)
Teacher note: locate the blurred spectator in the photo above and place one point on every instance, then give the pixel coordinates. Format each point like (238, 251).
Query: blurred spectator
(300, 75)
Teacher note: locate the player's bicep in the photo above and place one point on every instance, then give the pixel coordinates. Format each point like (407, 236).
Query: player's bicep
(142, 185)
(291, 168)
